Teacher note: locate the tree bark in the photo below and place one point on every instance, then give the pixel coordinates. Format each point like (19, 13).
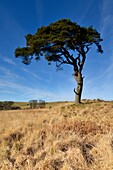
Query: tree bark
(78, 91)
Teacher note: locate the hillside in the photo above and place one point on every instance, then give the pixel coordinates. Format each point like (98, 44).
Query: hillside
(64, 137)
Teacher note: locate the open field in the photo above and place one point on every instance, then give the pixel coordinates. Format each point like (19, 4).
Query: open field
(63, 137)
(22, 105)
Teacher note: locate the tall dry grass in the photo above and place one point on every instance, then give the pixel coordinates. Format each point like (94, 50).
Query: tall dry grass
(68, 137)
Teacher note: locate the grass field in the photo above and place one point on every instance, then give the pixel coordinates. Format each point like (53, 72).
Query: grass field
(61, 137)
(22, 105)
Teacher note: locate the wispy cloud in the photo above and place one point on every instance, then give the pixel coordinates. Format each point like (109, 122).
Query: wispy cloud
(102, 84)
(107, 33)
(86, 10)
(9, 61)
(39, 11)
(31, 73)
(106, 16)
(26, 92)
(8, 74)
(10, 30)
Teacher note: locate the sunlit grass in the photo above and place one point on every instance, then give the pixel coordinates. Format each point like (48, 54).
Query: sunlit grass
(61, 137)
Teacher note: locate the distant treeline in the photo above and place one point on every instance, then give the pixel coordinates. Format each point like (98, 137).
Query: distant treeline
(8, 105)
(37, 104)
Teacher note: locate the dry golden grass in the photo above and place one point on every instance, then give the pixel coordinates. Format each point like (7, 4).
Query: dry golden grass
(67, 137)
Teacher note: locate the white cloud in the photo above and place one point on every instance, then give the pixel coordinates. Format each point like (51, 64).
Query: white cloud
(23, 92)
(85, 12)
(6, 73)
(101, 86)
(106, 16)
(39, 10)
(13, 31)
(9, 61)
(31, 73)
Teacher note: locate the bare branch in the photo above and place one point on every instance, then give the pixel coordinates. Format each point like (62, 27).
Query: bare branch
(75, 92)
(87, 49)
(67, 55)
(83, 61)
(63, 62)
(83, 77)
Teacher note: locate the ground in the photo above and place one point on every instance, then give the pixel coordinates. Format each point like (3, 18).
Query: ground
(63, 136)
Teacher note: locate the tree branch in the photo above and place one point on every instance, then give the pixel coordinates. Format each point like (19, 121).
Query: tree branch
(83, 61)
(68, 56)
(75, 92)
(63, 62)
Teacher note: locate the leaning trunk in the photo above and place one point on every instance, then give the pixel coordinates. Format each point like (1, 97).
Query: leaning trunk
(78, 91)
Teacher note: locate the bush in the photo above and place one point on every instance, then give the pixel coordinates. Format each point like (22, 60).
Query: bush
(41, 103)
(8, 105)
(1, 106)
(16, 108)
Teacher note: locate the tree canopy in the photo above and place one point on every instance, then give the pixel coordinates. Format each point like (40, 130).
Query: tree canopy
(55, 40)
(58, 43)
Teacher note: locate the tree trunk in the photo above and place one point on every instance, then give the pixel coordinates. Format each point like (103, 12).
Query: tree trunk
(78, 91)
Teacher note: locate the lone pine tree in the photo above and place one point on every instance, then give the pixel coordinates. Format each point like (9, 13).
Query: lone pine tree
(62, 42)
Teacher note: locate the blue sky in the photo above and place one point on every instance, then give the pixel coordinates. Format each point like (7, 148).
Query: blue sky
(38, 80)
